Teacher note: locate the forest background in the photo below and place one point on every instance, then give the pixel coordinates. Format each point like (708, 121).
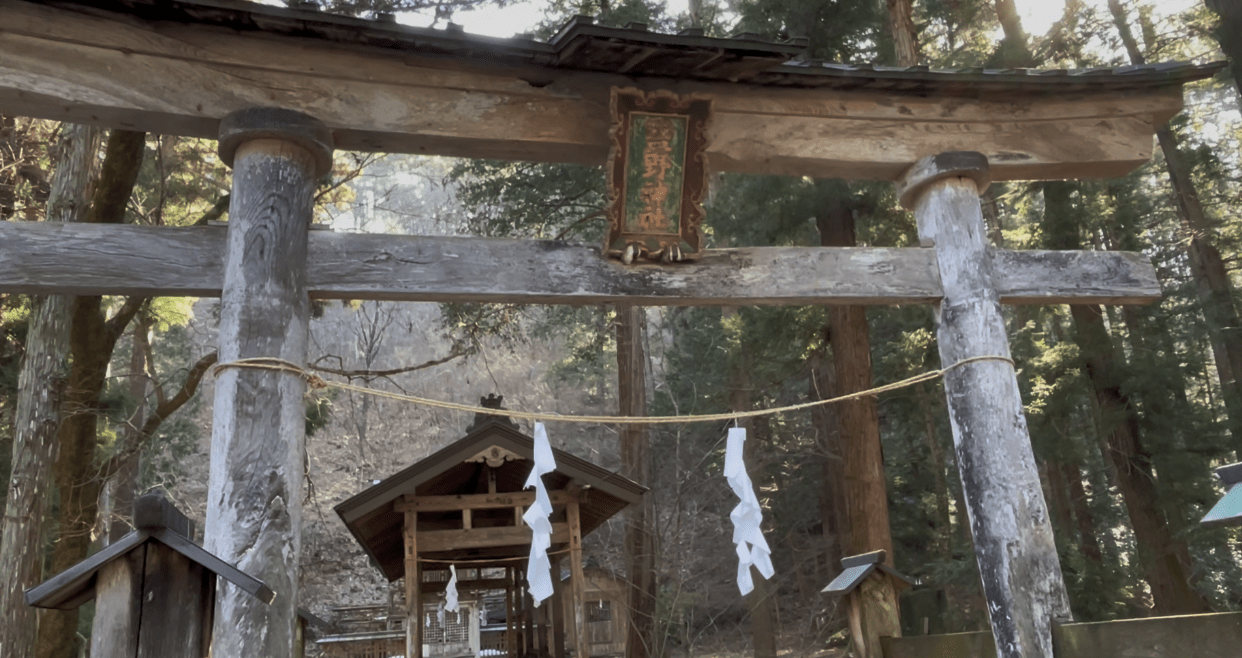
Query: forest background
(1129, 408)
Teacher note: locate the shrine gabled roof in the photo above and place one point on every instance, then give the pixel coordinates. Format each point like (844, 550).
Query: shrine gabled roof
(157, 521)
(633, 50)
(377, 526)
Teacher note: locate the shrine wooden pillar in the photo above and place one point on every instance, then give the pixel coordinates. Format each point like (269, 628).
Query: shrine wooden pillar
(1009, 519)
(511, 643)
(528, 628)
(577, 587)
(413, 588)
(540, 627)
(254, 508)
(558, 610)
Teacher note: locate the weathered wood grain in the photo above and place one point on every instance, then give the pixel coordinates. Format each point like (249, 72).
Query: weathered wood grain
(413, 587)
(178, 599)
(118, 607)
(171, 79)
(254, 511)
(466, 502)
(577, 584)
(1158, 637)
(965, 645)
(434, 541)
(37, 258)
(1009, 519)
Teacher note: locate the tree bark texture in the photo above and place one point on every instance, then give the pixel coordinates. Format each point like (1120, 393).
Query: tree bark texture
(1013, 536)
(636, 465)
(91, 342)
(901, 24)
(827, 422)
(862, 455)
(944, 534)
(1084, 519)
(1215, 289)
(124, 482)
(1158, 549)
(254, 507)
(40, 391)
(1228, 33)
(1015, 49)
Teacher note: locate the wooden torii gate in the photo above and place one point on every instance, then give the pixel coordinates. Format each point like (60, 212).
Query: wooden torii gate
(281, 88)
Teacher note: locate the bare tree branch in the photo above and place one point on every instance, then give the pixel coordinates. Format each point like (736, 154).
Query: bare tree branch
(162, 412)
(456, 352)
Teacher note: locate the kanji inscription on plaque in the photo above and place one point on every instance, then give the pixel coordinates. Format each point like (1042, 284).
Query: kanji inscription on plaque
(658, 175)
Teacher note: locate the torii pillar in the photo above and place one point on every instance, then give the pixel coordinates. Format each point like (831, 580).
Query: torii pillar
(1014, 545)
(254, 500)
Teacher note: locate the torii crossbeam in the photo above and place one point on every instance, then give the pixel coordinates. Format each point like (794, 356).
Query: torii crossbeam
(207, 68)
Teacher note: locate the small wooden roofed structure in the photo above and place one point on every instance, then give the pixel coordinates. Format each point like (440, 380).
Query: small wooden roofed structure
(463, 505)
(853, 584)
(155, 588)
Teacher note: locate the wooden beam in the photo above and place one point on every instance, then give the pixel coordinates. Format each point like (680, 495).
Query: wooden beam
(47, 258)
(432, 541)
(475, 501)
(178, 79)
(467, 585)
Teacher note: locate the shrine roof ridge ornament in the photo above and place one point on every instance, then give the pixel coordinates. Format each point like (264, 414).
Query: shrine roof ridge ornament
(582, 45)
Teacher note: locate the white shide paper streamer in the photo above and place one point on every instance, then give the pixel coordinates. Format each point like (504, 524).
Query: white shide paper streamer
(539, 518)
(747, 517)
(450, 590)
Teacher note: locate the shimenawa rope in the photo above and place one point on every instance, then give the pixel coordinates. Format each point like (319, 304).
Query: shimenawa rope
(317, 382)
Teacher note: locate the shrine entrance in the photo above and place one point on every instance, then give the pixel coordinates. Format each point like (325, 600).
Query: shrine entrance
(280, 89)
(462, 506)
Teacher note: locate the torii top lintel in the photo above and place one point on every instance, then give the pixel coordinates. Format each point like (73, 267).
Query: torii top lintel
(179, 66)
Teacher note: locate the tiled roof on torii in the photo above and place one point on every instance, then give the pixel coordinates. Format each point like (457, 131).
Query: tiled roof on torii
(582, 45)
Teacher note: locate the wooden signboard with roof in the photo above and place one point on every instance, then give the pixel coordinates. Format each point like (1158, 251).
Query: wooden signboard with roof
(281, 88)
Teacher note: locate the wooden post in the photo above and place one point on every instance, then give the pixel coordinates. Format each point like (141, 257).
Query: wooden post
(254, 509)
(511, 612)
(558, 610)
(153, 602)
(528, 627)
(577, 587)
(540, 627)
(1013, 535)
(413, 589)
